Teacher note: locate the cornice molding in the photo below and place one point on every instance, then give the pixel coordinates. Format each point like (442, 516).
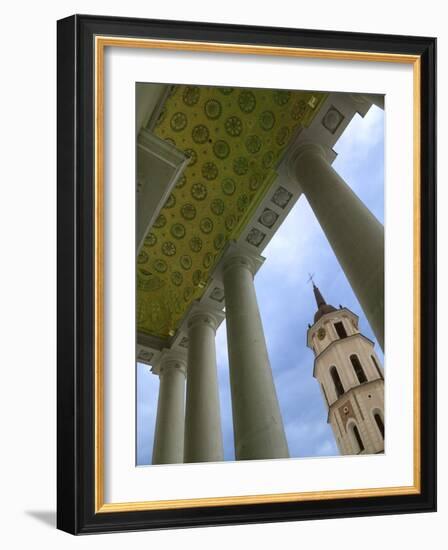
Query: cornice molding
(331, 345)
(348, 393)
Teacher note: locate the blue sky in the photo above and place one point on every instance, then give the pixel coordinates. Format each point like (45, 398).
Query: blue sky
(282, 281)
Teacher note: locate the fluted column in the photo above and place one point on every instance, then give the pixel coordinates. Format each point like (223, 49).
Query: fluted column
(257, 422)
(169, 433)
(355, 235)
(203, 433)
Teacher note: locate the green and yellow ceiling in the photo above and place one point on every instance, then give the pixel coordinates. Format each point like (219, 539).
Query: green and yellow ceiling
(234, 138)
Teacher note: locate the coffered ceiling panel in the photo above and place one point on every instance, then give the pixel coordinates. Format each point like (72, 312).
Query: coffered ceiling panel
(234, 138)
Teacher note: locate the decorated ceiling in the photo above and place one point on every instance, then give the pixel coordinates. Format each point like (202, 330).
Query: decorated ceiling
(234, 138)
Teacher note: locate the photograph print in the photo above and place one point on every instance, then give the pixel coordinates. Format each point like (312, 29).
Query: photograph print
(259, 274)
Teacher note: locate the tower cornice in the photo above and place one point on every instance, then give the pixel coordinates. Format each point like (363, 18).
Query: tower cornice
(326, 316)
(348, 393)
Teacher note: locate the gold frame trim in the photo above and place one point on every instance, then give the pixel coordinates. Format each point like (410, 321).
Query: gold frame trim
(101, 42)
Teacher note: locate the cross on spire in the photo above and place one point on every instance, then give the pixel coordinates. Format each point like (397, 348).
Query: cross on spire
(310, 278)
(317, 294)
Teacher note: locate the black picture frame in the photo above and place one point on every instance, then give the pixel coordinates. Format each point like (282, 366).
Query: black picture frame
(76, 511)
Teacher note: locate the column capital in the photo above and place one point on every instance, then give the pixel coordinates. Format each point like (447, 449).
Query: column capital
(196, 314)
(170, 359)
(240, 260)
(241, 256)
(305, 149)
(204, 317)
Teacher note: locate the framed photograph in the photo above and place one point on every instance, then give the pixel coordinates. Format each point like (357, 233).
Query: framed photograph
(246, 274)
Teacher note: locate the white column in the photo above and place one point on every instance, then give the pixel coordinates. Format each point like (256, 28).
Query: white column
(355, 235)
(203, 433)
(257, 422)
(169, 432)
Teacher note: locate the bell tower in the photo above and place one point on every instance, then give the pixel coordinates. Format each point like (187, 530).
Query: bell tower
(350, 377)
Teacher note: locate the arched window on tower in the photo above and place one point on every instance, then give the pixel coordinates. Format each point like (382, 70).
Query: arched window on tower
(359, 371)
(379, 423)
(377, 367)
(358, 439)
(336, 381)
(340, 329)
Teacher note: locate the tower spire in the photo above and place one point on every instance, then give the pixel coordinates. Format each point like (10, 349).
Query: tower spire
(322, 306)
(318, 295)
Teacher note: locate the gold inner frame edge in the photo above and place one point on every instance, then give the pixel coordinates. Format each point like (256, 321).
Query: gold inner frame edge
(100, 43)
